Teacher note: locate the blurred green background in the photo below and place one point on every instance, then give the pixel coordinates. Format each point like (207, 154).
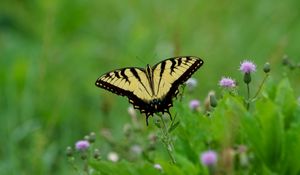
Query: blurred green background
(52, 51)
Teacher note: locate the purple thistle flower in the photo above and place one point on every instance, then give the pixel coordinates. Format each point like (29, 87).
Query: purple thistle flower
(82, 145)
(247, 66)
(227, 82)
(209, 158)
(194, 104)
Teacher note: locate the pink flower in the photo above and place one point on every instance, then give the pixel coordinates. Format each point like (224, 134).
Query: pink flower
(82, 145)
(227, 82)
(247, 66)
(194, 104)
(209, 158)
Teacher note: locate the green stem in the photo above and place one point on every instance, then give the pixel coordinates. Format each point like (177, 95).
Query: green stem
(167, 140)
(248, 97)
(181, 94)
(71, 161)
(86, 167)
(260, 87)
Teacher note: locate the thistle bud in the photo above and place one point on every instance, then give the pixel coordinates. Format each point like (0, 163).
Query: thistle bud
(96, 154)
(83, 155)
(87, 137)
(292, 66)
(267, 67)
(92, 137)
(247, 78)
(213, 100)
(69, 151)
(285, 60)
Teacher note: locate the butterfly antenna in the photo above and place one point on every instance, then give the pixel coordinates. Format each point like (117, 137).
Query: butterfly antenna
(140, 60)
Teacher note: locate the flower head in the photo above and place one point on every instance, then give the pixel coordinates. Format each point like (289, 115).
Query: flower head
(194, 104)
(242, 148)
(191, 83)
(82, 145)
(247, 66)
(209, 158)
(112, 156)
(157, 166)
(136, 149)
(227, 82)
(131, 111)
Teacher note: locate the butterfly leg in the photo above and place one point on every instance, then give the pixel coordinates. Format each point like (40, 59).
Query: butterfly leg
(147, 116)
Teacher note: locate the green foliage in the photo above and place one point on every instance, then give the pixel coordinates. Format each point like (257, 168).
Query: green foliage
(268, 133)
(51, 53)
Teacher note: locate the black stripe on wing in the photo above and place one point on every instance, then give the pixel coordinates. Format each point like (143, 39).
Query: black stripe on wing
(184, 77)
(133, 99)
(136, 75)
(177, 62)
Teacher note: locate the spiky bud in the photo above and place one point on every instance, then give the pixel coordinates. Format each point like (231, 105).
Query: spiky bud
(92, 137)
(267, 67)
(213, 100)
(247, 78)
(69, 151)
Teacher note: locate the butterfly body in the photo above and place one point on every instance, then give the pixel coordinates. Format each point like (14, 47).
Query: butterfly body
(151, 89)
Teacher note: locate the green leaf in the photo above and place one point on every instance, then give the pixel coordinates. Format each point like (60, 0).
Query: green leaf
(123, 167)
(226, 120)
(286, 100)
(290, 160)
(272, 132)
(173, 126)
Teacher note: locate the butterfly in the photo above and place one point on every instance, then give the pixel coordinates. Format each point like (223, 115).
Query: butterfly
(152, 89)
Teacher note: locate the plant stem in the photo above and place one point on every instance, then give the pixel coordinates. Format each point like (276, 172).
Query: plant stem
(71, 161)
(181, 94)
(248, 97)
(167, 140)
(86, 167)
(260, 87)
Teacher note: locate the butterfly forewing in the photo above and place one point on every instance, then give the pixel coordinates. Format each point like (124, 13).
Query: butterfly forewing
(128, 82)
(170, 73)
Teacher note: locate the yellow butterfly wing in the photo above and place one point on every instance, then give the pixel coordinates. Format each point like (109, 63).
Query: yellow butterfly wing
(151, 90)
(170, 73)
(131, 82)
